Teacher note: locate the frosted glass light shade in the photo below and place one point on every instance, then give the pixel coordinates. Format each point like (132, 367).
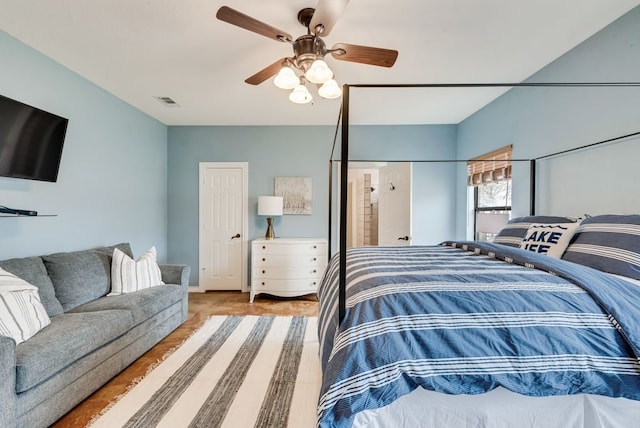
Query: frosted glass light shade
(319, 72)
(270, 205)
(330, 89)
(286, 78)
(300, 95)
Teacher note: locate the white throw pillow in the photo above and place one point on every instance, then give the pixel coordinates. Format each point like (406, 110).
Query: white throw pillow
(128, 275)
(21, 312)
(549, 239)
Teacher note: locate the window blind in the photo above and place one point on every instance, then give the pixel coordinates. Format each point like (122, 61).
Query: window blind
(490, 167)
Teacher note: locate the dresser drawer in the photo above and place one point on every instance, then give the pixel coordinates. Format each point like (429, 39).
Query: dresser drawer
(313, 260)
(287, 272)
(289, 249)
(286, 286)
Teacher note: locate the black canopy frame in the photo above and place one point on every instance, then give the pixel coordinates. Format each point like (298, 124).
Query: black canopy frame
(342, 128)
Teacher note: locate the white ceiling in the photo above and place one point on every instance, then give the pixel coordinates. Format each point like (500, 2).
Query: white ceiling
(140, 49)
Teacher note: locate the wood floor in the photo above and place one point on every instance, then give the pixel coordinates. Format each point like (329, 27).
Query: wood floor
(201, 306)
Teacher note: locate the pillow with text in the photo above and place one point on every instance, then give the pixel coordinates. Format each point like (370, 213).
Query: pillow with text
(549, 239)
(513, 232)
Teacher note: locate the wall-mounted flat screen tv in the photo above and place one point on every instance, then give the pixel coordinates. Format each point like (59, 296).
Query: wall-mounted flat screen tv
(31, 141)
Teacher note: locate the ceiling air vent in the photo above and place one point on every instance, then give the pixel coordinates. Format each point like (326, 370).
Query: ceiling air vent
(167, 101)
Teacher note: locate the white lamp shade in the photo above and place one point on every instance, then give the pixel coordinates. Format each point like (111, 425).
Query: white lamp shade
(286, 78)
(319, 72)
(300, 95)
(270, 205)
(330, 89)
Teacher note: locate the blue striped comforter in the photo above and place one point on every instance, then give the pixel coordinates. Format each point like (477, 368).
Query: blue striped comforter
(465, 318)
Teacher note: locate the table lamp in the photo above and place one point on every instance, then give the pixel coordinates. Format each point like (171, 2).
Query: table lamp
(270, 206)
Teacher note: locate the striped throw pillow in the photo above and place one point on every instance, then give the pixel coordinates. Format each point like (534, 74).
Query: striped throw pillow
(128, 275)
(513, 232)
(610, 243)
(22, 314)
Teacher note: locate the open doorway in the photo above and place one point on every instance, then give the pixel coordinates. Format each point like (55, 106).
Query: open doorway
(379, 204)
(363, 207)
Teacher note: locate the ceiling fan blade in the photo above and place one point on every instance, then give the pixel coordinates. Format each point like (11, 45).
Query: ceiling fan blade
(326, 15)
(364, 54)
(241, 20)
(266, 72)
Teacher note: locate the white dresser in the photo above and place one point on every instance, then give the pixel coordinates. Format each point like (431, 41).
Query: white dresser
(287, 266)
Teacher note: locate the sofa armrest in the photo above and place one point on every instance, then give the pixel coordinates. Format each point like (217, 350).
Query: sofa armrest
(175, 274)
(8, 382)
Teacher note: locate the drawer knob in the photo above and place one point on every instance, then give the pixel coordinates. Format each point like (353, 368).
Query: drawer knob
(263, 271)
(263, 259)
(315, 246)
(313, 271)
(314, 259)
(262, 282)
(264, 247)
(313, 283)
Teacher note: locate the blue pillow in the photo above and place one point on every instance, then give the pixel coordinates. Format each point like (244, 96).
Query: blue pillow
(517, 228)
(610, 243)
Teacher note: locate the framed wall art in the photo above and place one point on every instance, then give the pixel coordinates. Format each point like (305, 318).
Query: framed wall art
(296, 194)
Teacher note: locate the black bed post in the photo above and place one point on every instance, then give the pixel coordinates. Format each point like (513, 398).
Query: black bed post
(344, 170)
(532, 186)
(330, 207)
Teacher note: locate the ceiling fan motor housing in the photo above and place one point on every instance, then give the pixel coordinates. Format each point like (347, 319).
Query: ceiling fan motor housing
(307, 49)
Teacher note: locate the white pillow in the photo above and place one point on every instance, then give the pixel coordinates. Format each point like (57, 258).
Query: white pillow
(21, 312)
(128, 275)
(549, 239)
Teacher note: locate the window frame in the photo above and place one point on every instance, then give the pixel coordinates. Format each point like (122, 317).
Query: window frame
(477, 209)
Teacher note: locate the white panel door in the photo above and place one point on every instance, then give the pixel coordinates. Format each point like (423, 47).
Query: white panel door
(223, 226)
(394, 204)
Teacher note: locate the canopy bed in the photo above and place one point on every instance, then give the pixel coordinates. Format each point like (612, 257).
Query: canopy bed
(484, 334)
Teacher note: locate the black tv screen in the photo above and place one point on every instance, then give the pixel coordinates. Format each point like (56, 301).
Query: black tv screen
(31, 141)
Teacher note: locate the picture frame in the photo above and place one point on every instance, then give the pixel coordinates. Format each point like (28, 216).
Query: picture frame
(296, 194)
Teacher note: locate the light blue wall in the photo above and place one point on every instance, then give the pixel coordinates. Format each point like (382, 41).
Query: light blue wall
(433, 202)
(112, 181)
(538, 121)
(290, 151)
(270, 152)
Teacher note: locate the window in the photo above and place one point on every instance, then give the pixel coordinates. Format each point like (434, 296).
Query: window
(490, 177)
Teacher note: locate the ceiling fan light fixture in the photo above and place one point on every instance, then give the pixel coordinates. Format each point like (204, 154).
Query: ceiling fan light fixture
(330, 89)
(319, 72)
(286, 78)
(300, 95)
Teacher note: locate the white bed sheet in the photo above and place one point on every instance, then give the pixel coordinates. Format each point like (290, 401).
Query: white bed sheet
(501, 408)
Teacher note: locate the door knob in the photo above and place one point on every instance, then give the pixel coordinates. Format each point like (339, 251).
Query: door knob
(403, 238)
(237, 235)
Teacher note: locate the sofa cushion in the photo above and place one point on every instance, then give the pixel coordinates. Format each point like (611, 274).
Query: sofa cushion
(125, 247)
(32, 270)
(81, 276)
(68, 338)
(142, 304)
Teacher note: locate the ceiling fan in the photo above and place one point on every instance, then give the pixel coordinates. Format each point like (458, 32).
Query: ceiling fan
(309, 51)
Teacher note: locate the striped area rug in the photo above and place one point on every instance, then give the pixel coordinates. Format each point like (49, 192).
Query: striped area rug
(235, 371)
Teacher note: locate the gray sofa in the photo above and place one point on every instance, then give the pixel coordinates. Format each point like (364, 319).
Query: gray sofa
(91, 338)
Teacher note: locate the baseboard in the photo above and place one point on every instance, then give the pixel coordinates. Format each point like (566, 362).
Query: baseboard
(195, 290)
